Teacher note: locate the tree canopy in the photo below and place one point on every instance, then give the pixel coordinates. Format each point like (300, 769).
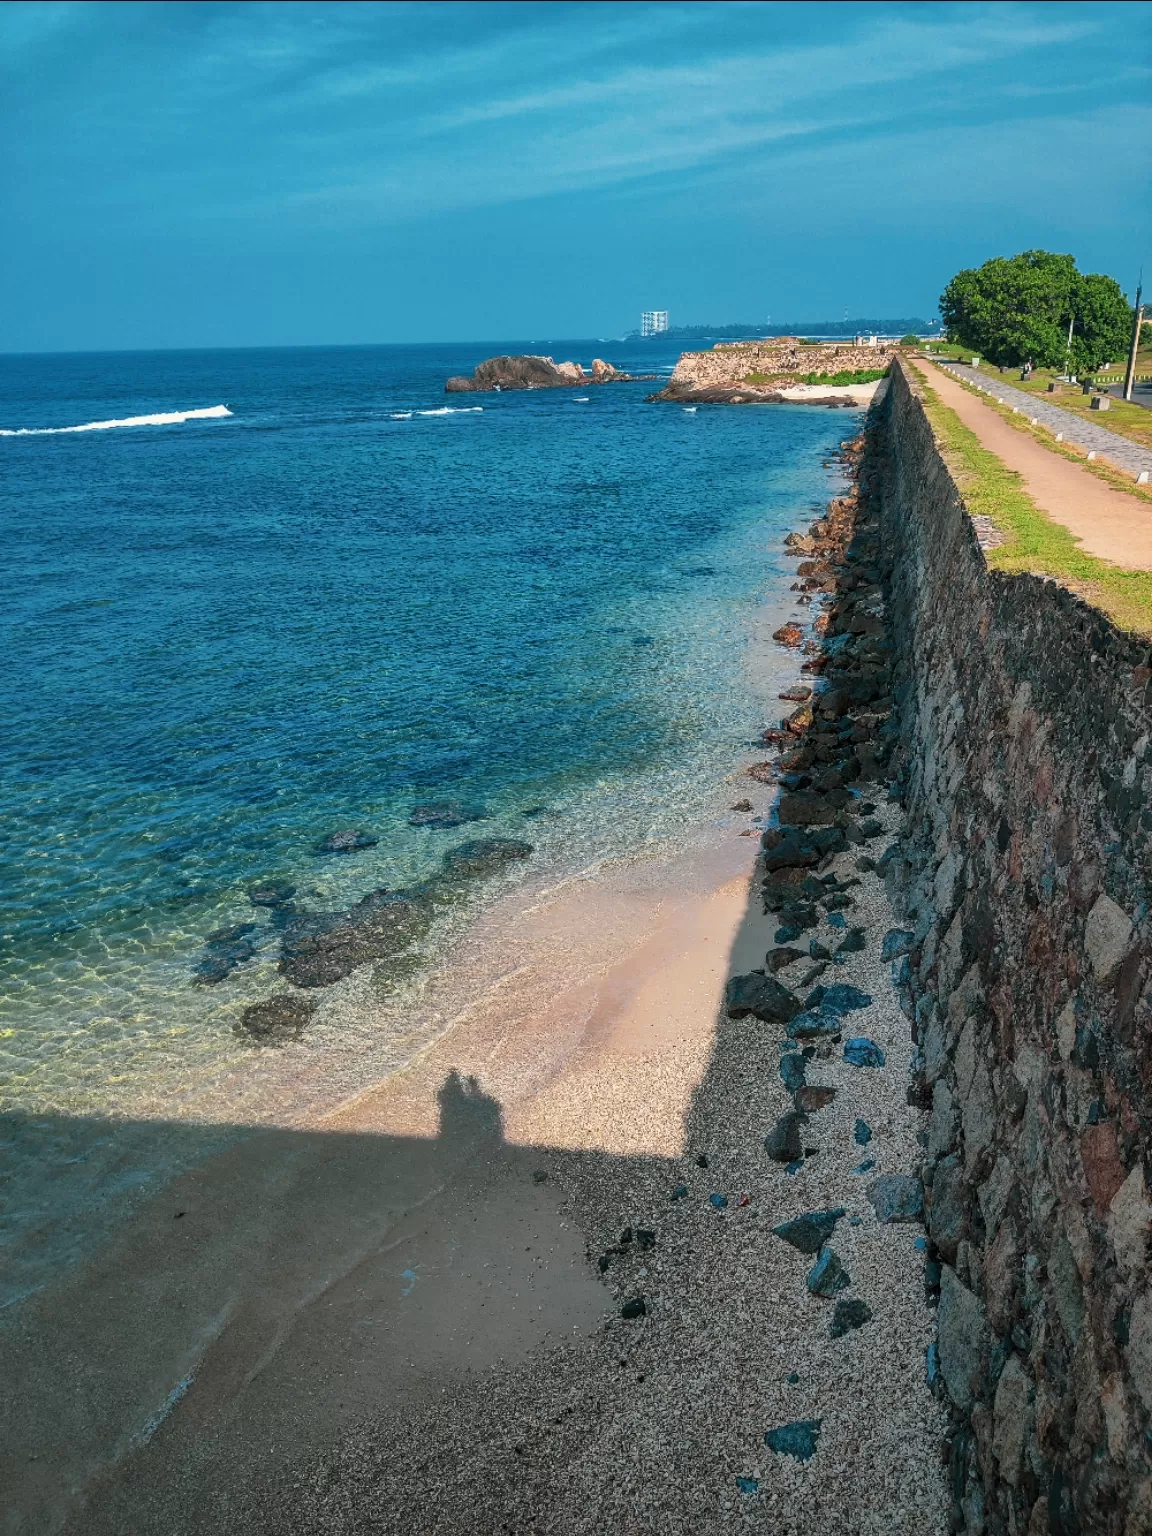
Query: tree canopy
(1017, 309)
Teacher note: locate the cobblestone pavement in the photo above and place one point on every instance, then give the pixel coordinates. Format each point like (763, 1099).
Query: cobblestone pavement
(1085, 434)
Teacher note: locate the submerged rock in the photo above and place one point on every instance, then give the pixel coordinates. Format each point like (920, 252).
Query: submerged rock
(797, 1439)
(815, 1024)
(809, 1232)
(271, 893)
(276, 1020)
(762, 996)
(445, 813)
(349, 840)
(226, 949)
(841, 996)
(484, 856)
(319, 948)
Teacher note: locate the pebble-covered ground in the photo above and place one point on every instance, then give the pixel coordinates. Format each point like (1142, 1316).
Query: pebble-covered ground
(720, 1394)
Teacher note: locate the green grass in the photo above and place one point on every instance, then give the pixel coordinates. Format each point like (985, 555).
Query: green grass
(847, 376)
(1033, 542)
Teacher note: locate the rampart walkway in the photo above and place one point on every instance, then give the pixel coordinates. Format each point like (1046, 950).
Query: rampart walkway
(1118, 450)
(1108, 523)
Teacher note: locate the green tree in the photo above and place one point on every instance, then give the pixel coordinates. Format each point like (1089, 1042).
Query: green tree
(1017, 309)
(911, 340)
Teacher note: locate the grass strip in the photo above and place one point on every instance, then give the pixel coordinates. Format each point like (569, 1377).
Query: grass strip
(1033, 542)
(1118, 479)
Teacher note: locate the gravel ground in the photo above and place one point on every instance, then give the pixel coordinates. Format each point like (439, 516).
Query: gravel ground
(657, 1423)
(1086, 434)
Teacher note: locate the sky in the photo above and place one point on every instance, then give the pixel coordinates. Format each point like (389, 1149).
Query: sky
(204, 175)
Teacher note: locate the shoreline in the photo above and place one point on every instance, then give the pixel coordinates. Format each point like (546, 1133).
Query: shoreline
(438, 1234)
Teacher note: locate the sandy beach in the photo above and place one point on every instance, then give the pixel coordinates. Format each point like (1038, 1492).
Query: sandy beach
(406, 1315)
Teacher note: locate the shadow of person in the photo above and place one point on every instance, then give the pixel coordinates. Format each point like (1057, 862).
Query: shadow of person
(470, 1119)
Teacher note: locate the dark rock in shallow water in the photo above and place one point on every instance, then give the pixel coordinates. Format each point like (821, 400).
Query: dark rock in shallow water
(634, 1308)
(445, 813)
(897, 1197)
(792, 1070)
(271, 893)
(797, 1439)
(484, 856)
(783, 1143)
(811, 1231)
(319, 948)
(762, 996)
(849, 1315)
(862, 1134)
(225, 950)
(777, 959)
(347, 841)
(276, 1019)
(230, 935)
(852, 943)
(862, 1052)
(828, 1276)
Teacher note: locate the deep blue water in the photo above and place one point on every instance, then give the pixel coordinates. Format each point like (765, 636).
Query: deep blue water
(226, 638)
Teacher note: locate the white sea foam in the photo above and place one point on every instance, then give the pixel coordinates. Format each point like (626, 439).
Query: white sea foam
(580, 399)
(689, 410)
(452, 410)
(161, 419)
(401, 415)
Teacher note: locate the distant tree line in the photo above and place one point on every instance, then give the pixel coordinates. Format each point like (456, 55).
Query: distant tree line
(795, 328)
(1037, 308)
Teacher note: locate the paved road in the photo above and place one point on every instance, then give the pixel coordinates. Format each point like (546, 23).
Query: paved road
(1085, 434)
(1107, 523)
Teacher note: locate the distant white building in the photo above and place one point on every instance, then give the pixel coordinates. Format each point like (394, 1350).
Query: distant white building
(653, 321)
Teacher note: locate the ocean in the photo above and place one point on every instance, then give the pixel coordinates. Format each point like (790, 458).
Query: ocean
(310, 593)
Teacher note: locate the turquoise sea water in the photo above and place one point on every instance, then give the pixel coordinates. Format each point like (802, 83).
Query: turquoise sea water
(229, 636)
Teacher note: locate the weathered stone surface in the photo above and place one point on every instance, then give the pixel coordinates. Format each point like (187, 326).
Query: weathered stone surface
(897, 1197)
(1130, 1224)
(761, 996)
(1140, 1346)
(948, 1212)
(811, 1231)
(1102, 1165)
(1014, 1419)
(793, 1068)
(783, 1143)
(801, 808)
(797, 1439)
(828, 1276)
(862, 1052)
(1106, 937)
(963, 1338)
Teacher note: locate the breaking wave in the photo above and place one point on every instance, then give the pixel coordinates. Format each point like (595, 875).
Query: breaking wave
(161, 419)
(452, 410)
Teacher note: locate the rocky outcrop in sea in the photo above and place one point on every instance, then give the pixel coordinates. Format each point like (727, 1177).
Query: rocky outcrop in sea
(531, 372)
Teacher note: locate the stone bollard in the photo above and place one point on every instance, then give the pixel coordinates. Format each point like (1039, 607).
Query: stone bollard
(1100, 403)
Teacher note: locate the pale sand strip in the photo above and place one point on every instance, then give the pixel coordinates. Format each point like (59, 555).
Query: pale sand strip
(1107, 523)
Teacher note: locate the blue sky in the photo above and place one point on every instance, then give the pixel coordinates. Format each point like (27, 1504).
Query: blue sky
(218, 174)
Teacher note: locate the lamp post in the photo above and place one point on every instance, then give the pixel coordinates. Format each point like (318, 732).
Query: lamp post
(1137, 322)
